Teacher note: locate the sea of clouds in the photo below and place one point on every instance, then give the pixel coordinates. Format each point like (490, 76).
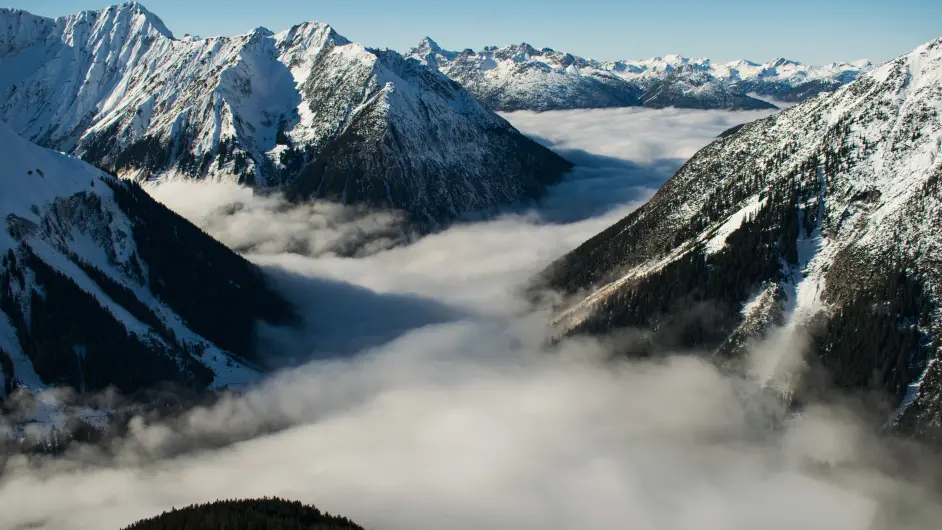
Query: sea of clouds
(422, 393)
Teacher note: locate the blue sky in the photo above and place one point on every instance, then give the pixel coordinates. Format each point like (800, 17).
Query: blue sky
(812, 31)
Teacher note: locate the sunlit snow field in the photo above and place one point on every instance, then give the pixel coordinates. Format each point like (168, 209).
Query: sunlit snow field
(433, 403)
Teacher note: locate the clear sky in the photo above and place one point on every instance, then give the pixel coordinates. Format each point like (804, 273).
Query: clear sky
(811, 31)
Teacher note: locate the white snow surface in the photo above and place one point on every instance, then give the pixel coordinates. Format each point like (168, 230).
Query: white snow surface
(717, 237)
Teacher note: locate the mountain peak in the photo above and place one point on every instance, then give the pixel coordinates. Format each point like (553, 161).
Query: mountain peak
(127, 10)
(138, 9)
(742, 63)
(514, 52)
(781, 61)
(425, 47)
(429, 52)
(427, 42)
(933, 45)
(311, 34)
(524, 46)
(262, 31)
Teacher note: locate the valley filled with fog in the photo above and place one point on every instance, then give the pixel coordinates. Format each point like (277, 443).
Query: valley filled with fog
(419, 392)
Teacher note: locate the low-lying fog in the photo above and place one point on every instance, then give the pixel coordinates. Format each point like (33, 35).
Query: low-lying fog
(434, 404)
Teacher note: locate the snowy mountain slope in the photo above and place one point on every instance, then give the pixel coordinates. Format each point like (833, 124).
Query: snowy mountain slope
(521, 77)
(58, 74)
(825, 217)
(103, 286)
(478, 159)
(115, 88)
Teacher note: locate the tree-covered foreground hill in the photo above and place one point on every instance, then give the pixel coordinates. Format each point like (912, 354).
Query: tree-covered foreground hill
(248, 514)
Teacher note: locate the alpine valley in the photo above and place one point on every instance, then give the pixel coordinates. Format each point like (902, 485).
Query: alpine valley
(288, 264)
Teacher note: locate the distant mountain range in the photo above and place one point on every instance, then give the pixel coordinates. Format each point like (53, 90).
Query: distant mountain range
(521, 77)
(824, 217)
(304, 108)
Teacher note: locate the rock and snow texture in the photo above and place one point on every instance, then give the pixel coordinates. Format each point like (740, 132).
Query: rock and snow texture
(826, 217)
(521, 77)
(115, 88)
(93, 294)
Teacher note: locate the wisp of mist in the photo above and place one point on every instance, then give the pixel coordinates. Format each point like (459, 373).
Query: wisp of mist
(423, 394)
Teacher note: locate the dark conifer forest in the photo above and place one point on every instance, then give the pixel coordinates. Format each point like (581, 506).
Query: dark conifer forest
(251, 514)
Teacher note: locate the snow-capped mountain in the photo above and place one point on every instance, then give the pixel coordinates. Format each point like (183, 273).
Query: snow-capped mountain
(692, 86)
(790, 81)
(521, 77)
(826, 216)
(100, 285)
(304, 106)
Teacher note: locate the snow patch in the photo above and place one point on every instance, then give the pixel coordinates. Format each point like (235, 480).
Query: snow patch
(717, 237)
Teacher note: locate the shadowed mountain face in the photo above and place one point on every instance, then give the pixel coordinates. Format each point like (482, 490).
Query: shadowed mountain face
(520, 77)
(304, 106)
(102, 285)
(824, 217)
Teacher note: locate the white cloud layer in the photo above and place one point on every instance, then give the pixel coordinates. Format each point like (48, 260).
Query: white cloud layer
(458, 416)
(640, 135)
(249, 221)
